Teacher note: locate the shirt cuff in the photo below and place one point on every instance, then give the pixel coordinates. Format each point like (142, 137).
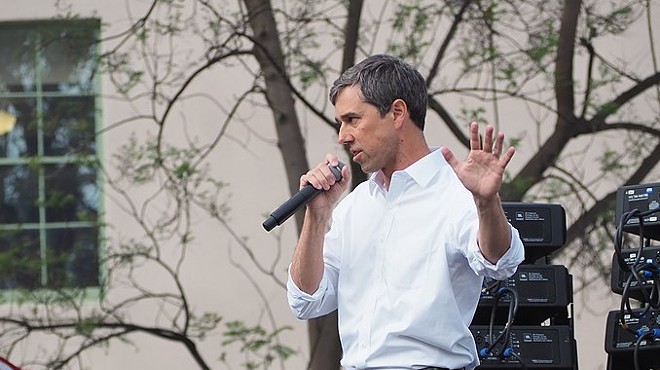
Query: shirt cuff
(295, 292)
(506, 265)
(304, 305)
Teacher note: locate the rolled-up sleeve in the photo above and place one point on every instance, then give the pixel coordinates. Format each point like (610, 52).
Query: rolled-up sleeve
(324, 299)
(321, 302)
(505, 266)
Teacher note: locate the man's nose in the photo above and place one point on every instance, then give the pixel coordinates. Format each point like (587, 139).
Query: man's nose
(344, 135)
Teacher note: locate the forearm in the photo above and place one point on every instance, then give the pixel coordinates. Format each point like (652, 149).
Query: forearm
(494, 231)
(307, 262)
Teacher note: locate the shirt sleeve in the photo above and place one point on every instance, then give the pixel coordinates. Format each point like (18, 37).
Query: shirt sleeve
(505, 266)
(308, 306)
(324, 299)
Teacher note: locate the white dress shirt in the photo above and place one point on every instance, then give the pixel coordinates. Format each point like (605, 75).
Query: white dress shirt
(405, 271)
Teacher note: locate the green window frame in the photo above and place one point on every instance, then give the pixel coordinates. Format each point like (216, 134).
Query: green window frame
(50, 189)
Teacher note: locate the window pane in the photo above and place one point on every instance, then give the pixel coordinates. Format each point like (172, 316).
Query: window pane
(47, 175)
(69, 126)
(67, 62)
(71, 193)
(19, 259)
(19, 192)
(21, 141)
(17, 59)
(73, 257)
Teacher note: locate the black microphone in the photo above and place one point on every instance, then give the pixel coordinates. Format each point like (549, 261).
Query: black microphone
(297, 201)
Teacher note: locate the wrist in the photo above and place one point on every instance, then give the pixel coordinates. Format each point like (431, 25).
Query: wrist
(487, 203)
(318, 215)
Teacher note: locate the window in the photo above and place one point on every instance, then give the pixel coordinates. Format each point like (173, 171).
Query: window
(49, 193)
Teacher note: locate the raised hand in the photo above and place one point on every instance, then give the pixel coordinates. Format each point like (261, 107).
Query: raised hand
(481, 173)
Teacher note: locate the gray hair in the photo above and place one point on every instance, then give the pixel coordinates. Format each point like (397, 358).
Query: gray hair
(382, 79)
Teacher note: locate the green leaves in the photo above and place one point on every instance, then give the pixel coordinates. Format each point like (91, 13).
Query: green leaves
(613, 21)
(260, 347)
(411, 24)
(202, 325)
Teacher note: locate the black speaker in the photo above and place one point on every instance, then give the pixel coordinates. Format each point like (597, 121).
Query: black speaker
(624, 341)
(645, 198)
(542, 227)
(544, 293)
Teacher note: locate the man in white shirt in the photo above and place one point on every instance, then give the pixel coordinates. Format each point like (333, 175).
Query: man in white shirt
(405, 254)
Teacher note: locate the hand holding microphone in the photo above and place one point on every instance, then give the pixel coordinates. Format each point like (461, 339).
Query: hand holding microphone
(298, 200)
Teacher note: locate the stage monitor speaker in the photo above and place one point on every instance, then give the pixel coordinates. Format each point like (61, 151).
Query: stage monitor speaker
(538, 347)
(650, 258)
(542, 227)
(644, 197)
(621, 341)
(544, 293)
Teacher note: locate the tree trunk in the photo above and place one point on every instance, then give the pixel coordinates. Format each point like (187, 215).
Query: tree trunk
(351, 37)
(324, 342)
(565, 129)
(324, 345)
(268, 52)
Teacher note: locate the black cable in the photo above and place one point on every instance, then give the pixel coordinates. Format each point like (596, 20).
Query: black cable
(649, 300)
(523, 366)
(491, 322)
(618, 241)
(639, 269)
(637, 344)
(513, 309)
(492, 288)
(650, 295)
(625, 302)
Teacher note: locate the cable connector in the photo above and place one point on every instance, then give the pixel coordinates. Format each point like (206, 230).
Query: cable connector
(643, 331)
(647, 274)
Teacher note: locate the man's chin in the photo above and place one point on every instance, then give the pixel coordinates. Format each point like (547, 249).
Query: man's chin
(365, 167)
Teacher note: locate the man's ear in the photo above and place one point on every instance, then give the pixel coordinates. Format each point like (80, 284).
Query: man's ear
(399, 111)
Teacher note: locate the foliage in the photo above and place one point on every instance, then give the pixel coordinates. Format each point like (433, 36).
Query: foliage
(584, 119)
(255, 340)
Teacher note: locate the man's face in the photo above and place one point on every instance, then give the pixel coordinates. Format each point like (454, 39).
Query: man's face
(372, 140)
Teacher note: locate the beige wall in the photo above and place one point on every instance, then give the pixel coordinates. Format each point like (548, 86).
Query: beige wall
(255, 186)
(253, 168)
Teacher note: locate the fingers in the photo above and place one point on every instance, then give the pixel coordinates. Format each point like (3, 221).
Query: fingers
(506, 158)
(475, 142)
(345, 175)
(331, 159)
(321, 177)
(491, 144)
(499, 142)
(488, 139)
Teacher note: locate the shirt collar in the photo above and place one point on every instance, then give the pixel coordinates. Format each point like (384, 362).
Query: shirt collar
(422, 171)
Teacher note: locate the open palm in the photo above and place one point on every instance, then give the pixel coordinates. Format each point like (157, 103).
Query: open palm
(481, 173)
